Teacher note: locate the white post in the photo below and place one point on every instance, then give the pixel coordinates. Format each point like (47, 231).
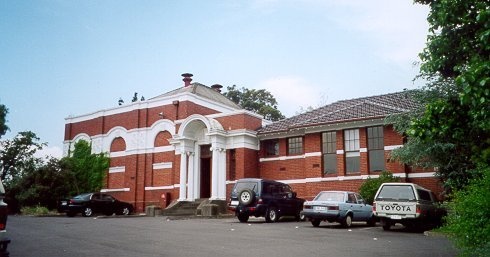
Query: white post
(214, 172)
(190, 188)
(222, 174)
(183, 176)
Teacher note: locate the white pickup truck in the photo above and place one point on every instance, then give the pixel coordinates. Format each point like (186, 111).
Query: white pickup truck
(406, 203)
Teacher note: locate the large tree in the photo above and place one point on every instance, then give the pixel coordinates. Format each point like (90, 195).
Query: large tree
(260, 101)
(452, 130)
(17, 154)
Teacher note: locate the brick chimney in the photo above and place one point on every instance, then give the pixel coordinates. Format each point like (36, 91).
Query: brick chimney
(217, 87)
(187, 79)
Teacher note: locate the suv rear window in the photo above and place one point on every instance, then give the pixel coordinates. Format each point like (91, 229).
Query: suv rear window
(245, 185)
(424, 195)
(396, 192)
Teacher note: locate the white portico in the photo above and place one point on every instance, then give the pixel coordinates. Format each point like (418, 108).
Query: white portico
(202, 144)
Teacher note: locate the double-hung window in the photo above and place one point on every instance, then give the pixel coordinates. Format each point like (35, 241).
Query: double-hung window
(352, 153)
(376, 149)
(271, 148)
(329, 149)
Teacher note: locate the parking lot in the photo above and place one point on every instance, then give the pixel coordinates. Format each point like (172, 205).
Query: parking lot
(159, 236)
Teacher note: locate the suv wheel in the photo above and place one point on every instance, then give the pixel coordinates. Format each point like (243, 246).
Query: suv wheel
(271, 215)
(246, 197)
(242, 217)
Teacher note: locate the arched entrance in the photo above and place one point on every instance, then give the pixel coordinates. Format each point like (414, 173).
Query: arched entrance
(202, 145)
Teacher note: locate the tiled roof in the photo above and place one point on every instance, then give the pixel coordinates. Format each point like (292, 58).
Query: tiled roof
(203, 91)
(347, 110)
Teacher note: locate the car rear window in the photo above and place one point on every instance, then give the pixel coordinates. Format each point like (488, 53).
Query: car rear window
(82, 197)
(396, 192)
(245, 185)
(330, 196)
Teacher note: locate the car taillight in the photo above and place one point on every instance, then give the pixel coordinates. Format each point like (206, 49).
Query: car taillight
(333, 208)
(307, 207)
(374, 206)
(417, 210)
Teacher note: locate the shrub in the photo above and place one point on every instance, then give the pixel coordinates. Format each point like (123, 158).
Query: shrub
(467, 221)
(369, 188)
(34, 210)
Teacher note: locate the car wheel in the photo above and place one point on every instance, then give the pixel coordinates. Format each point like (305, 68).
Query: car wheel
(271, 215)
(243, 217)
(71, 214)
(315, 223)
(126, 211)
(347, 222)
(246, 197)
(300, 217)
(87, 212)
(372, 221)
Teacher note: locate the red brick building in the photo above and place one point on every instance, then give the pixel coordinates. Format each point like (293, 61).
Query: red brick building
(193, 143)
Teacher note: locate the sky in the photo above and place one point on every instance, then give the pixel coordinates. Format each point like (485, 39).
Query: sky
(63, 58)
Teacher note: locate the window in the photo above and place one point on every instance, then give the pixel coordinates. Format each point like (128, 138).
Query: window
(376, 149)
(295, 145)
(352, 154)
(329, 148)
(271, 148)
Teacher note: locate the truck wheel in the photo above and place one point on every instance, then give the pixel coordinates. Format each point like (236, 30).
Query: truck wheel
(243, 217)
(315, 223)
(347, 222)
(386, 224)
(271, 215)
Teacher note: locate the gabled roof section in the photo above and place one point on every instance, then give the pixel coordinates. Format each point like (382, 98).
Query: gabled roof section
(347, 110)
(202, 91)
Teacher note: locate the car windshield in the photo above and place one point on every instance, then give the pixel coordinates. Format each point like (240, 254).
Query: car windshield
(330, 196)
(396, 192)
(245, 185)
(82, 196)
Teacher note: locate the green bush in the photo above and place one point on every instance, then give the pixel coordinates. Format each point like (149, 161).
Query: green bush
(369, 188)
(467, 222)
(34, 210)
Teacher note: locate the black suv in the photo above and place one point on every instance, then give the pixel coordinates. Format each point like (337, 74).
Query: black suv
(264, 198)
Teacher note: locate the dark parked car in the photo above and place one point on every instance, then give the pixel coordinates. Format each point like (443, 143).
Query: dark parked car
(264, 198)
(90, 203)
(4, 240)
(338, 206)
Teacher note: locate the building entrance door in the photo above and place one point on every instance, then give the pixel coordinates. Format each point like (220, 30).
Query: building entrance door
(206, 171)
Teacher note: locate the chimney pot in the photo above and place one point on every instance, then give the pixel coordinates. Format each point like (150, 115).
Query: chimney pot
(217, 87)
(187, 79)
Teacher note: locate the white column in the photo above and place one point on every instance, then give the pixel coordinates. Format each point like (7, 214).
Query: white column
(183, 176)
(222, 174)
(190, 188)
(214, 173)
(197, 169)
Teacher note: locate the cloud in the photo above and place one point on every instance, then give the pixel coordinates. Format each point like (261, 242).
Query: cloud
(292, 93)
(53, 151)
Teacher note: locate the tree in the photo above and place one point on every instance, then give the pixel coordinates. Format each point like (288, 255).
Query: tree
(453, 127)
(40, 185)
(3, 120)
(17, 154)
(86, 171)
(259, 101)
(452, 130)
